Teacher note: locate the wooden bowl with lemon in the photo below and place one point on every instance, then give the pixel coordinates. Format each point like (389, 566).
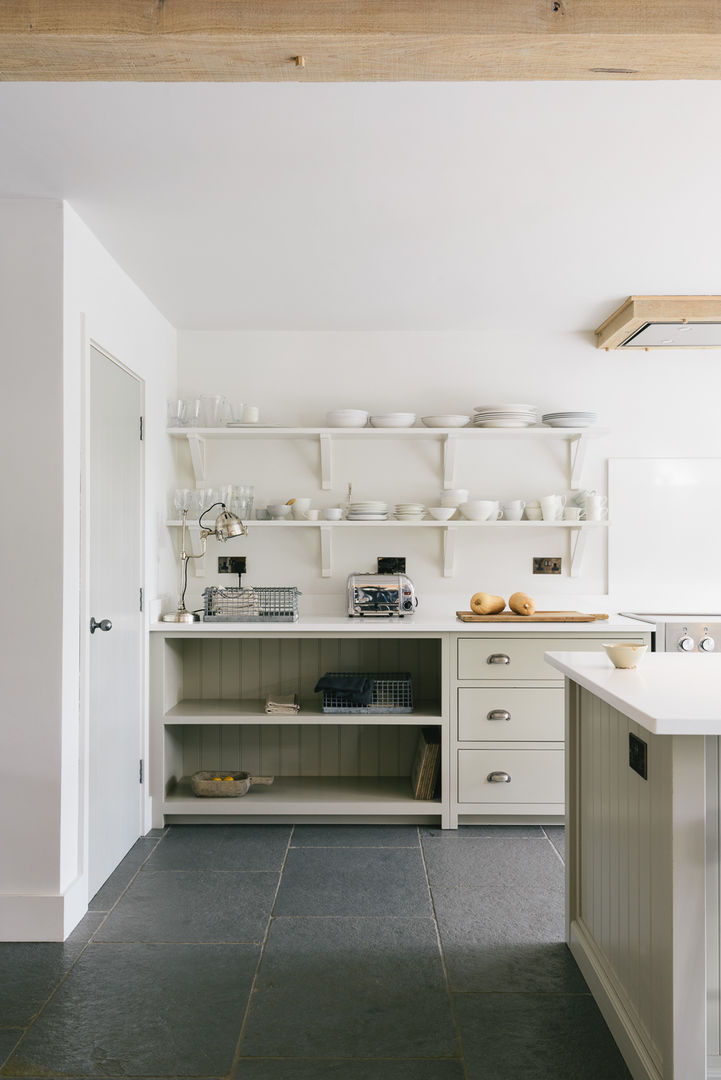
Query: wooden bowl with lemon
(225, 785)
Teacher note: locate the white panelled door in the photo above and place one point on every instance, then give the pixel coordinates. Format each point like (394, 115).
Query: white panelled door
(114, 650)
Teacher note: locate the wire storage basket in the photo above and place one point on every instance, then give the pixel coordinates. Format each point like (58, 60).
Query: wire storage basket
(392, 693)
(254, 603)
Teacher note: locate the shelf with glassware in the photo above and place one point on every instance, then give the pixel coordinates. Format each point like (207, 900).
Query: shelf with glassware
(577, 439)
(577, 530)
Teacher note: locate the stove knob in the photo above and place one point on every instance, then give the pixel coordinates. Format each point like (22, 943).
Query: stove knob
(707, 644)
(686, 644)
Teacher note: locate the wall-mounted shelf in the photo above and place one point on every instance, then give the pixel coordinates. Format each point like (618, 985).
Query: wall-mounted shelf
(578, 531)
(447, 437)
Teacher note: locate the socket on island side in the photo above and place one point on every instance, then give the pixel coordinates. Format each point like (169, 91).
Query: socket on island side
(547, 564)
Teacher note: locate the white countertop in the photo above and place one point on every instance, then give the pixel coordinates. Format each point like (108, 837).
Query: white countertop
(668, 693)
(425, 623)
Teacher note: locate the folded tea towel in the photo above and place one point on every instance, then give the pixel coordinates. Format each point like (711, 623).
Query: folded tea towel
(282, 705)
(358, 689)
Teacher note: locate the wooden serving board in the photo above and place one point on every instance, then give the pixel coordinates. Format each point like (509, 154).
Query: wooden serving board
(539, 616)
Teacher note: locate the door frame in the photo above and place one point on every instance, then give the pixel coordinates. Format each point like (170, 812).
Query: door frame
(85, 613)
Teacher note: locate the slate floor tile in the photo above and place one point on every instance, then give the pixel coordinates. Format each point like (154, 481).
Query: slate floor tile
(109, 893)
(8, 1040)
(85, 929)
(152, 1010)
(497, 939)
(537, 1037)
(353, 881)
(181, 905)
(557, 835)
(29, 972)
(355, 836)
(343, 987)
(494, 862)
(345, 1069)
(485, 832)
(221, 847)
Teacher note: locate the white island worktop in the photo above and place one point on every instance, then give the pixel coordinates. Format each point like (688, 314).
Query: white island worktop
(644, 842)
(667, 694)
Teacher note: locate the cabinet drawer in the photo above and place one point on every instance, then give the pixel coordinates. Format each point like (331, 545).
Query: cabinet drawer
(524, 655)
(536, 776)
(530, 714)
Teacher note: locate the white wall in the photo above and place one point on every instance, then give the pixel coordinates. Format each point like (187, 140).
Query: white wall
(56, 280)
(655, 404)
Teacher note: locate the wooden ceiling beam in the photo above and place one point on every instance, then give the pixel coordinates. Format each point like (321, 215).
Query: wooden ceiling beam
(358, 40)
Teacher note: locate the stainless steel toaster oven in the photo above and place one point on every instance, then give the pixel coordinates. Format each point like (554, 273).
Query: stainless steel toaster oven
(381, 594)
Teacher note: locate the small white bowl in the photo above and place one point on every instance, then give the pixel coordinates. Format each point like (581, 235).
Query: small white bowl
(279, 511)
(624, 654)
(395, 419)
(447, 420)
(331, 513)
(347, 418)
(442, 513)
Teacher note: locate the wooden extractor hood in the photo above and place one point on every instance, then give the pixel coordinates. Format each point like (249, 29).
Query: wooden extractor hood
(663, 322)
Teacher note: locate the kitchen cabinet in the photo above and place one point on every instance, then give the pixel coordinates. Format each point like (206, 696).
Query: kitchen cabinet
(208, 687)
(448, 439)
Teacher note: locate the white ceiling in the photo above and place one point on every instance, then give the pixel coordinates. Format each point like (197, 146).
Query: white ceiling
(406, 206)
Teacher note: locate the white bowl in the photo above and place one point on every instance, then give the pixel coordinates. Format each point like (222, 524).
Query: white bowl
(331, 513)
(442, 513)
(450, 420)
(279, 511)
(624, 654)
(478, 510)
(395, 419)
(347, 418)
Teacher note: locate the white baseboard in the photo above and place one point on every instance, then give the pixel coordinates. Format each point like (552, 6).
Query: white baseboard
(43, 918)
(614, 1009)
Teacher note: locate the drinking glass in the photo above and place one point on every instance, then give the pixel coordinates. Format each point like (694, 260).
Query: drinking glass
(241, 500)
(177, 412)
(181, 501)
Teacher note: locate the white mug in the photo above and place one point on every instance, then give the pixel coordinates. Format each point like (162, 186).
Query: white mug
(513, 511)
(596, 513)
(489, 509)
(552, 507)
(533, 513)
(592, 499)
(572, 513)
(311, 515)
(299, 508)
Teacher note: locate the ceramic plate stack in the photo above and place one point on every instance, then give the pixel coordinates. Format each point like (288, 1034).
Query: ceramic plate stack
(504, 416)
(409, 512)
(368, 511)
(569, 419)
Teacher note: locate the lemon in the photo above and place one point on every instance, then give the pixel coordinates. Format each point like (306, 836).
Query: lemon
(229, 778)
(216, 778)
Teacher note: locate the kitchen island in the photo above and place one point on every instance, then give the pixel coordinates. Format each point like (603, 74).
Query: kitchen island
(642, 754)
(495, 705)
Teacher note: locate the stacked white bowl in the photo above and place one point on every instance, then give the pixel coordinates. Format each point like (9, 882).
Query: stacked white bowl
(393, 419)
(347, 418)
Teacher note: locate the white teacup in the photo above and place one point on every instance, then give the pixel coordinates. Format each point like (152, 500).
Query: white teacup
(513, 510)
(572, 513)
(299, 508)
(552, 507)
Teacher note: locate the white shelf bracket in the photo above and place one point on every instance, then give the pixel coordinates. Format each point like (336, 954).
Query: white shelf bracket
(450, 446)
(449, 551)
(197, 457)
(578, 457)
(326, 464)
(578, 538)
(326, 550)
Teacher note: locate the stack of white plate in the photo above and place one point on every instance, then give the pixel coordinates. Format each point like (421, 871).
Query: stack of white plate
(368, 511)
(409, 512)
(569, 419)
(504, 416)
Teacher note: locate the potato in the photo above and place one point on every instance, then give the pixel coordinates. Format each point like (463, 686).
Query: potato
(483, 603)
(522, 604)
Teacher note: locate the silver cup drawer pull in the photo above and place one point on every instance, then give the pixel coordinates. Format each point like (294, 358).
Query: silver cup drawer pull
(498, 714)
(499, 778)
(498, 658)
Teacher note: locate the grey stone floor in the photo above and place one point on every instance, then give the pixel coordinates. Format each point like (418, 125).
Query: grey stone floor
(314, 952)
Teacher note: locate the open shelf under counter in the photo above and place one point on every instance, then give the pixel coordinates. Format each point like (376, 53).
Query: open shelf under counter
(309, 795)
(232, 711)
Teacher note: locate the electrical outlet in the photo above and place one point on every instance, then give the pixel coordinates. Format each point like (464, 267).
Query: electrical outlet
(550, 565)
(638, 755)
(231, 564)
